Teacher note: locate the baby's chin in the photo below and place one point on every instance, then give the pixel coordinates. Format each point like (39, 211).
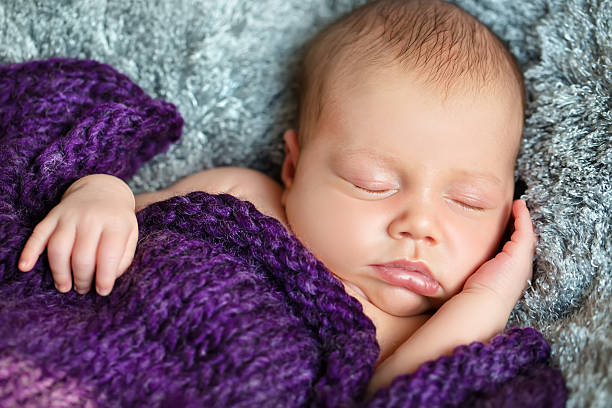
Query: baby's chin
(404, 308)
(399, 302)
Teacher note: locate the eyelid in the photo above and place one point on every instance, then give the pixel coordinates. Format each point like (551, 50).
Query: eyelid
(475, 194)
(378, 188)
(468, 206)
(373, 191)
(468, 202)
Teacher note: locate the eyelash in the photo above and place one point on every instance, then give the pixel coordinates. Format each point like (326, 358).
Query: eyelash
(374, 192)
(463, 205)
(468, 207)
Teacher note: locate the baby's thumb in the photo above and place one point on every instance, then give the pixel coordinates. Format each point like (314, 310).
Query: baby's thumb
(523, 240)
(35, 245)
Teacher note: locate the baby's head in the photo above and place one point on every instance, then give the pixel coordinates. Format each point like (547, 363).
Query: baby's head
(402, 163)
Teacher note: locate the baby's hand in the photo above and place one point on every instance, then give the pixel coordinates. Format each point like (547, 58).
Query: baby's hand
(506, 276)
(93, 229)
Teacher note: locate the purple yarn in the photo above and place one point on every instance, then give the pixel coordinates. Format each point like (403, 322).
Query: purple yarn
(221, 306)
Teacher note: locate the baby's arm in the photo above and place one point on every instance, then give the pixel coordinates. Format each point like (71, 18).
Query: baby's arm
(92, 230)
(477, 313)
(246, 184)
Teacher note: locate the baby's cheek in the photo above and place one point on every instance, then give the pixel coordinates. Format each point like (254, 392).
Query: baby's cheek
(345, 227)
(308, 218)
(330, 231)
(331, 228)
(465, 248)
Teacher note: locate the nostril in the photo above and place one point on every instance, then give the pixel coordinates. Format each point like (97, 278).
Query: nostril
(426, 239)
(415, 225)
(429, 240)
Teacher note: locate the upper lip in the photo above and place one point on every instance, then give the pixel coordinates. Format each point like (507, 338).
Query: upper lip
(411, 266)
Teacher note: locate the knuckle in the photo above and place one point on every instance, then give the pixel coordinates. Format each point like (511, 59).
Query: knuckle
(89, 218)
(104, 274)
(81, 282)
(119, 224)
(55, 250)
(80, 262)
(57, 266)
(81, 278)
(62, 279)
(109, 258)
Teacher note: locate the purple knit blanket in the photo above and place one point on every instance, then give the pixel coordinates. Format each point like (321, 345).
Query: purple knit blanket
(221, 307)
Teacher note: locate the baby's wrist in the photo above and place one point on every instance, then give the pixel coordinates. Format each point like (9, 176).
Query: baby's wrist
(503, 301)
(102, 183)
(490, 306)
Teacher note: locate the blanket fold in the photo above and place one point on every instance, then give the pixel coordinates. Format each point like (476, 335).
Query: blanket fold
(221, 306)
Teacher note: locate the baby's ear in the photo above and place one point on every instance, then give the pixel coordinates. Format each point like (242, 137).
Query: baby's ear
(292, 151)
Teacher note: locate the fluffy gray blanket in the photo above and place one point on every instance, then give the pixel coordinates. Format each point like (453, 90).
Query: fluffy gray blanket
(228, 66)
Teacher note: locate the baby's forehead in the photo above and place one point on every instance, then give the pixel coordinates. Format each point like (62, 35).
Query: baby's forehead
(449, 49)
(411, 86)
(361, 111)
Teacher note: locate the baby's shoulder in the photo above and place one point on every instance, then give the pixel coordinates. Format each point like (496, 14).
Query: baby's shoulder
(246, 184)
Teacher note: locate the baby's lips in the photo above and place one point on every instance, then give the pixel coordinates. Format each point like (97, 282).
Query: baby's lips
(413, 276)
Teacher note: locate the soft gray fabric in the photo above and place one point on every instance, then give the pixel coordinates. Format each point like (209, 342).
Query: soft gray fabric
(228, 67)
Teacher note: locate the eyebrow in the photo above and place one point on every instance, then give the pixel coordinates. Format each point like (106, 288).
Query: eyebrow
(386, 159)
(372, 154)
(389, 160)
(487, 177)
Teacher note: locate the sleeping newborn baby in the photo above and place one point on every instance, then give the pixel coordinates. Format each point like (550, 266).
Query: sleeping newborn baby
(399, 177)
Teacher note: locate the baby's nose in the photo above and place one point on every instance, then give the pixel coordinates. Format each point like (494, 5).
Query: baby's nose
(414, 223)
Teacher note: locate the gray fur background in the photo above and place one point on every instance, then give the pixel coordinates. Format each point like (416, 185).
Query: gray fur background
(228, 67)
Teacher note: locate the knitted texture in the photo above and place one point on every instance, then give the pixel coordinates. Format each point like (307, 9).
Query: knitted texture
(230, 68)
(55, 120)
(221, 305)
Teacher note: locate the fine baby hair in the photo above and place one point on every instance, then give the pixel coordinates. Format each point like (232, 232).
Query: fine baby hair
(448, 48)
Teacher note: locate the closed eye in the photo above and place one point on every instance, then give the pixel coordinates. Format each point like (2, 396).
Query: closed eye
(377, 191)
(467, 206)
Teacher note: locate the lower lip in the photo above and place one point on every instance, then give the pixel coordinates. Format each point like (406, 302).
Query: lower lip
(413, 281)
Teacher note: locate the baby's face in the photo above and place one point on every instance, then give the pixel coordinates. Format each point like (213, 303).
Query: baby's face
(396, 184)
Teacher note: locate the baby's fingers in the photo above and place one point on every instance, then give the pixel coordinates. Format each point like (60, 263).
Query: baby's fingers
(36, 244)
(523, 238)
(110, 252)
(521, 246)
(59, 250)
(84, 257)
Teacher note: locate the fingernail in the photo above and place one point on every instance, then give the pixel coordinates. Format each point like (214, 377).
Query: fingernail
(102, 292)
